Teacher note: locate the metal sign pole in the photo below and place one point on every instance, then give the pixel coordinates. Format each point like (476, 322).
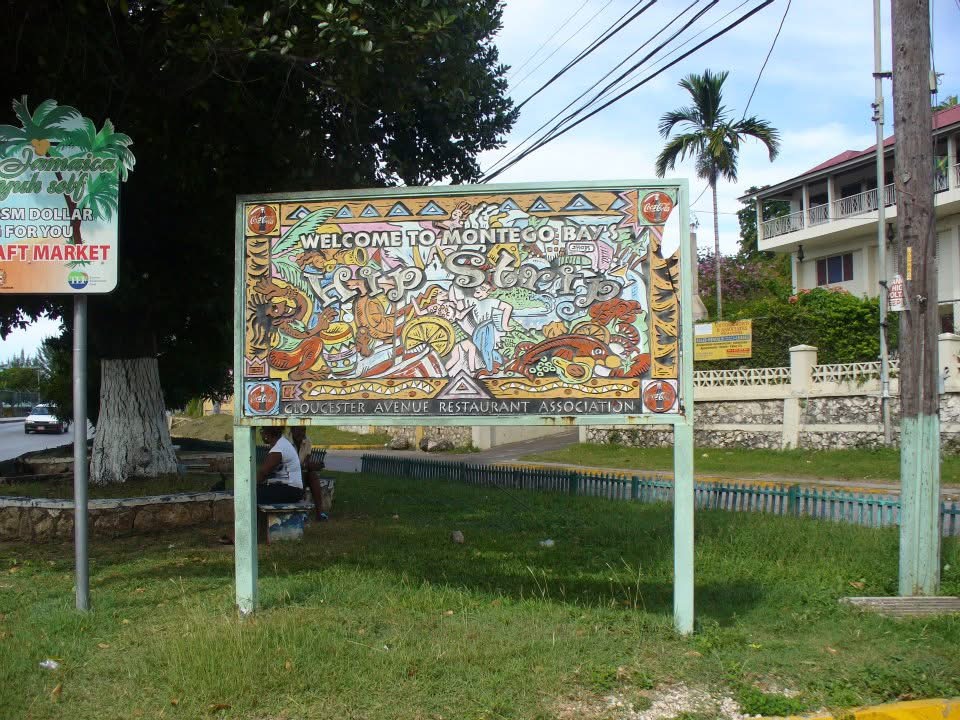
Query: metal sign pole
(80, 467)
(683, 477)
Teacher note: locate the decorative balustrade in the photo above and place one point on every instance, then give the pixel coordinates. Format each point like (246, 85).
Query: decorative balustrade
(956, 175)
(941, 182)
(857, 373)
(818, 214)
(782, 225)
(747, 377)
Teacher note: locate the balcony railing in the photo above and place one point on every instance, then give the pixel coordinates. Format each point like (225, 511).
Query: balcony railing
(818, 214)
(859, 204)
(783, 224)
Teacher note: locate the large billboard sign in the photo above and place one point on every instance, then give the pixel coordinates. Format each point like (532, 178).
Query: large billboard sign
(465, 304)
(59, 194)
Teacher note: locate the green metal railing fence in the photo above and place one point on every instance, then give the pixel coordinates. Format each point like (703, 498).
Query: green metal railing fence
(872, 510)
(17, 403)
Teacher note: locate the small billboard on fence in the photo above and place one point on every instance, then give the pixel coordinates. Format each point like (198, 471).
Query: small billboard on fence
(723, 340)
(467, 304)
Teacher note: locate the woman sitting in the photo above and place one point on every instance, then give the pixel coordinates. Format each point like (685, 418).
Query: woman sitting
(308, 467)
(279, 479)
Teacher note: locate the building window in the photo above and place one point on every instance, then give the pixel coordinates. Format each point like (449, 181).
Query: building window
(836, 269)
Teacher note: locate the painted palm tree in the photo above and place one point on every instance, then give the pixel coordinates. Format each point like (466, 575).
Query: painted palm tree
(712, 139)
(53, 129)
(40, 129)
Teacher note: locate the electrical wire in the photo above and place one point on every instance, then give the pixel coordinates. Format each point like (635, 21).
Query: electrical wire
(558, 133)
(675, 50)
(530, 137)
(769, 53)
(596, 43)
(563, 44)
(551, 37)
(613, 87)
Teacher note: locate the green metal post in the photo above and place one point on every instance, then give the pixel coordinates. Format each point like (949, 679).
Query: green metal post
(245, 517)
(683, 482)
(683, 528)
(920, 505)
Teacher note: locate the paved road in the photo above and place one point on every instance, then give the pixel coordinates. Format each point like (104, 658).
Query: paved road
(349, 460)
(14, 442)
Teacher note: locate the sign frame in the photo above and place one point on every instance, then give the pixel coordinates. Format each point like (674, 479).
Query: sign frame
(685, 381)
(245, 428)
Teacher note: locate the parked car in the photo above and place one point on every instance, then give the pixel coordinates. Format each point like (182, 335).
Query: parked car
(43, 418)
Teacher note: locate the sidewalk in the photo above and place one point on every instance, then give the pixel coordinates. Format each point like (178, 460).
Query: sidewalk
(12, 420)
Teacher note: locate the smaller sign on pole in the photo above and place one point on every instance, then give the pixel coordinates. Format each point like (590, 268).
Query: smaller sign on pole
(59, 206)
(723, 340)
(895, 295)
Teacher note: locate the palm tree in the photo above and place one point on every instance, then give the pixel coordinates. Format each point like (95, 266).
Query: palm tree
(713, 140)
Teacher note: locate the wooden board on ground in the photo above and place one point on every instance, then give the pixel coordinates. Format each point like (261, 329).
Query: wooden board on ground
(902, 607)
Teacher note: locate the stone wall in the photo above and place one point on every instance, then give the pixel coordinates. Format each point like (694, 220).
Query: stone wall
(46, 520)
(825, 423)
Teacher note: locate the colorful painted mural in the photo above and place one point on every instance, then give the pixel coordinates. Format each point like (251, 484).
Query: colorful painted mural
(454, 303)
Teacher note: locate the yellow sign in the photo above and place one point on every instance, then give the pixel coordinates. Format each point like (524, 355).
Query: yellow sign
(723, 340)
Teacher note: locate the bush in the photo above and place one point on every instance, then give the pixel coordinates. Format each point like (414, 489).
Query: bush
(844, 329)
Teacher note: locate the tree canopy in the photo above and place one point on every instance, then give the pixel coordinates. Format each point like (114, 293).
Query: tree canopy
(223, 99)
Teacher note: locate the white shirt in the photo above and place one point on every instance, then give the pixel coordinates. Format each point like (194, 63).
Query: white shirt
(288, 471)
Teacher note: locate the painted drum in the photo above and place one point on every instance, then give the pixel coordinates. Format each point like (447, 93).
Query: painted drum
(339, 348)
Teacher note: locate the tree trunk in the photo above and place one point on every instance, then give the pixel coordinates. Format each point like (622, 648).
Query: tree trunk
(75, 223)
(132, 437)
(919, 324)
(716, 251)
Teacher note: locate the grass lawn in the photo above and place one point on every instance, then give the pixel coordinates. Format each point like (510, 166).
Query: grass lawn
(220, 427)
(376, 614)
(854, 465)
(164, 485)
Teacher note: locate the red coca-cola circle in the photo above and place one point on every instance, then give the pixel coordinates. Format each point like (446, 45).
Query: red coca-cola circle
(655, 207)
(261, 219)
(659, 396)
(262, 398)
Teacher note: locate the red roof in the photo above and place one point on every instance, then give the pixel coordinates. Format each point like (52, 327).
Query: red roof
(941, 119)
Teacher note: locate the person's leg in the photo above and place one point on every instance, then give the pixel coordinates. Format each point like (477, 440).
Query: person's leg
(278, 493)
(313, 480)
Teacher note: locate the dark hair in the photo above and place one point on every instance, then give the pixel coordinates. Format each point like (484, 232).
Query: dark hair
(272, 431)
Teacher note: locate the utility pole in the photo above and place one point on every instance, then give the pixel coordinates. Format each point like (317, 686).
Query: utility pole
(878, 119)
(919, 323)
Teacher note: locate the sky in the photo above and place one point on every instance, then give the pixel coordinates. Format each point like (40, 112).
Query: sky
(816, 89)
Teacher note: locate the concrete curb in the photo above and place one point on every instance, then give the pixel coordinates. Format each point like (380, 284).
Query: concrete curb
(935, 709)
(12, 420)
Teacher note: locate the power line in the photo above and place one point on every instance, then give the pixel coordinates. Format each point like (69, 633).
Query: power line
(559, 47)
(596, 43)
(675, 50)
(769, 53)
(551, 37)
(556, 133)
(527, 139)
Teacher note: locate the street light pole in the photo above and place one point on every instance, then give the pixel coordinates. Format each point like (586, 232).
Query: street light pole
(878, 76)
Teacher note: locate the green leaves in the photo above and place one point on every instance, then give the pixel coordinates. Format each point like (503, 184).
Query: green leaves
(101, 196)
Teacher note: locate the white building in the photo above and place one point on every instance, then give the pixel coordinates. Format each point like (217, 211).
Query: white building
(831, 230)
